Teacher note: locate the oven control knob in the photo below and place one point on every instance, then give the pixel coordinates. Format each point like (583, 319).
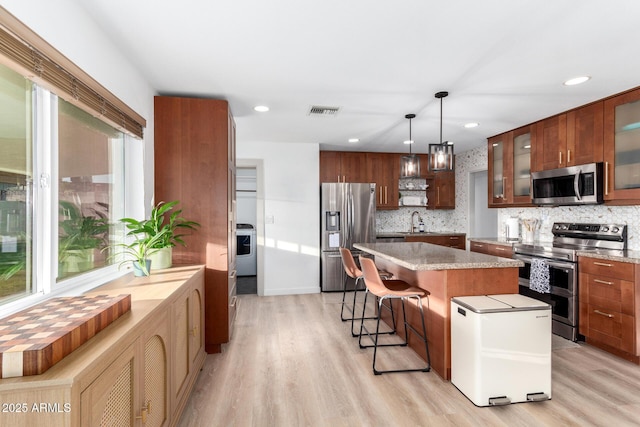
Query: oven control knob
(564, 226)
(615, 229)
(605, 229)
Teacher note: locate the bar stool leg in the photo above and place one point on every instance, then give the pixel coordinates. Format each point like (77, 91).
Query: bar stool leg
(406, 328)
(344, 294)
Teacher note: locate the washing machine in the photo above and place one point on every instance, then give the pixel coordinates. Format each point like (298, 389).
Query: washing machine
(246, 264)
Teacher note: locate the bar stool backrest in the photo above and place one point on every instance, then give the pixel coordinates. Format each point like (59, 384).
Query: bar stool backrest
(372, 279)
(349, 264)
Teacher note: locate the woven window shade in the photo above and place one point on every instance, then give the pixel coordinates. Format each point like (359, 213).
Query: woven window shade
(26, 53)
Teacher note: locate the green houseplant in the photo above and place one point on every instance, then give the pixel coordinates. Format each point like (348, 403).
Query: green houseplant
(167, 221)
(155, 235)
(138, 249)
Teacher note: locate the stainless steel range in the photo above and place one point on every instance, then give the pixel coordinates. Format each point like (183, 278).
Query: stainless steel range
(561, 259)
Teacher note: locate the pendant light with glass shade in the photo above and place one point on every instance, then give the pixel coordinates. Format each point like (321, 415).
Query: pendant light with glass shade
(409, 165)
(441, 155)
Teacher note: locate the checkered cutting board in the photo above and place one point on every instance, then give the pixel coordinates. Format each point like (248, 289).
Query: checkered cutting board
(37, 338)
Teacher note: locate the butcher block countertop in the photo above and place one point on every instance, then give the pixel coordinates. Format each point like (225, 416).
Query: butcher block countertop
(420, 256)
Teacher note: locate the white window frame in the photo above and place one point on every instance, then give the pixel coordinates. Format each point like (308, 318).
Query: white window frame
(45, 212)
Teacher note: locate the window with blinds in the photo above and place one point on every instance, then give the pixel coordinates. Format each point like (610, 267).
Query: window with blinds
(26, 53)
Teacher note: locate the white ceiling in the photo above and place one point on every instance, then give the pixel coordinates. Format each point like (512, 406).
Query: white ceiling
(502, 61)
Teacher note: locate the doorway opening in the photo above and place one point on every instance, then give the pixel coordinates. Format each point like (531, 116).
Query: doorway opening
(483, 222)
(249, 226)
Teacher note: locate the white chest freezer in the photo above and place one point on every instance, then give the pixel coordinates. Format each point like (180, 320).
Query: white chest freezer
(501, 348)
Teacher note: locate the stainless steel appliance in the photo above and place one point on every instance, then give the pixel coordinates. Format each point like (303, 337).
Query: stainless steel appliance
(575, 185)
(347, 216)
(246, 260)
(560, 256)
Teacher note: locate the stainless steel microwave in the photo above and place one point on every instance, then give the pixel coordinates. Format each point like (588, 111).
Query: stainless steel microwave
(574, 185)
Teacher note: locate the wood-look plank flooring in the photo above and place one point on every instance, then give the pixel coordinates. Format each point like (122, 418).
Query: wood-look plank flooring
(292, 362)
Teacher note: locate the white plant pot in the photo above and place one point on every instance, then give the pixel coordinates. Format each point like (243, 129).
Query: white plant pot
(161, 259)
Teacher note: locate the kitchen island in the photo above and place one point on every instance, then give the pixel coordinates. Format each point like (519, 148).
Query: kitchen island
(444, 273)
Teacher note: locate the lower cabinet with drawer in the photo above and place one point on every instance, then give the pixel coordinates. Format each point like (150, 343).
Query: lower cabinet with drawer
(608, 304)
(495, 249)
(449, 240)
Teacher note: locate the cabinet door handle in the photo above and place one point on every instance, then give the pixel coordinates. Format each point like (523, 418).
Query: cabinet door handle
(602, 264)
(386, 200)
(233, 301)
(232, 275)
(476, 245)
(504, 188)
(453, 238)
(606, 178)
(499, 249)
(438, 195)
(604, 282)
(560, 152)
(602, 313)
(568, 156)
(194, 331)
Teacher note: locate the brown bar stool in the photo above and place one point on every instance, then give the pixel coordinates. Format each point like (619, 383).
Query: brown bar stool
(391, 289)
(353, 272)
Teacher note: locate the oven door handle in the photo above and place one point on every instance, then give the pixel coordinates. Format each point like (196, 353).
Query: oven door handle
(550, 263)
(576, 184)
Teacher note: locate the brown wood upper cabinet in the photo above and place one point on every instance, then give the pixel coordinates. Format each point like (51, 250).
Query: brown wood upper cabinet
(441, 193)
(571, 138)
(585, 134)
(551, 143)
(383, 169)
(509, 167)
(343, 166)
(622, 148)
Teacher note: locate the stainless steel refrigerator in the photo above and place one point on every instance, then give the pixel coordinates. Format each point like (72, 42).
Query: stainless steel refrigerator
(347, 216)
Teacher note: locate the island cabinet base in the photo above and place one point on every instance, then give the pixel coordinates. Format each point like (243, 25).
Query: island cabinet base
(442, 285)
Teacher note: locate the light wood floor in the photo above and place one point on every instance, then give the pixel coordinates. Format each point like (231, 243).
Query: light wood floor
(292, 362)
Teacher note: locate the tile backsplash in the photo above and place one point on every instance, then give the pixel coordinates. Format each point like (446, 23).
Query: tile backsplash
(456, 220)
(596, 214)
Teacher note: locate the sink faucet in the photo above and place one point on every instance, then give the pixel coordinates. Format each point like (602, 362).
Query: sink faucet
(412, 229)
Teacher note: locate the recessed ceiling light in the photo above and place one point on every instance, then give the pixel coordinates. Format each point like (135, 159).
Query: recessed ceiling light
(576, 80)
(354, 140)
(472, 125)
(261, 108)
(408, 141)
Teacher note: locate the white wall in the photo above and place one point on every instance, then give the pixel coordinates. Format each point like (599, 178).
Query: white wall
(71, 31)
(291, 200)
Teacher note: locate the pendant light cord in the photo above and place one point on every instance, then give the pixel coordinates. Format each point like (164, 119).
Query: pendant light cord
(440, 121)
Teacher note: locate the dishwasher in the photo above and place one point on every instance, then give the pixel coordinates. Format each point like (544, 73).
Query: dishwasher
(501, 348)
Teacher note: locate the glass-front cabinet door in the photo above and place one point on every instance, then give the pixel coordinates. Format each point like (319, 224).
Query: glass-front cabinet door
(622, 147)
(521, 170)
(510, 168)
(497, 174)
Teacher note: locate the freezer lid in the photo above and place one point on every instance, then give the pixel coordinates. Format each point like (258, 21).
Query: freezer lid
(500, 303)
(481, 304)
(522, 302)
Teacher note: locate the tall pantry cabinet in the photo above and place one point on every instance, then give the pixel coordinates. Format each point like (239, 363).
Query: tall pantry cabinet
(195, 163)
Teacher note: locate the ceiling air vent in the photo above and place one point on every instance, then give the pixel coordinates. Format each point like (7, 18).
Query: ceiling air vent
(319, 110)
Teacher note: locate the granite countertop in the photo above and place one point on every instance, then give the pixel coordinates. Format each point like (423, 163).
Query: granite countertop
(494, 240)
(629, 256)
(417, 233)
(425, 256)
